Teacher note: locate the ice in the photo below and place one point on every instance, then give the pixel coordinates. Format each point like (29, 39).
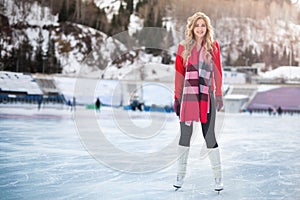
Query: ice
(46, 157)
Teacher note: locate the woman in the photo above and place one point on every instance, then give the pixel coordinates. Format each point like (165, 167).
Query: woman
(198, 92)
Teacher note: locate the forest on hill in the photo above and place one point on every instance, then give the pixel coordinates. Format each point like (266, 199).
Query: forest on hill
(49, 36)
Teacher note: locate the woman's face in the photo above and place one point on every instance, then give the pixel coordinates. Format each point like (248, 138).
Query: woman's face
(200, 29)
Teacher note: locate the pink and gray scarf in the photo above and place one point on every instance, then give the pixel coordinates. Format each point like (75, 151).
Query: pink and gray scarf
(196, 90)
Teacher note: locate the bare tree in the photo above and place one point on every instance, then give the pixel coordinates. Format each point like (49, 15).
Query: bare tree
(78, 10)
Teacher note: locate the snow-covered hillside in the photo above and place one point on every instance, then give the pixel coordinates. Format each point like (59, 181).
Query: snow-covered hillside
(28, 13)
(78, 48)
(288, 73)
(111, 6)
(87, 51)
(235, 35)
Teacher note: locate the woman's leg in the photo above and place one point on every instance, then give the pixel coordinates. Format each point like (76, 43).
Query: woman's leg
(183, 153)
(186, 132)
(208, 130)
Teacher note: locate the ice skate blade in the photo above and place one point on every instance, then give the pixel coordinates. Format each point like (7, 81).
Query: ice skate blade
(176, 187)
(218, 190)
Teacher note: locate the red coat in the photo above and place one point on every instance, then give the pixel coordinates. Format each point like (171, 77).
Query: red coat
(216, 85)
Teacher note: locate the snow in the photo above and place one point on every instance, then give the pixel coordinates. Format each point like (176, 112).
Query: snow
(18, 82)
(111, 7)
(30, 13)
(297, 2)
(285, 72)
(135, 24)
(263, 88)
(230, 31)
(71, 65)
(236, 97)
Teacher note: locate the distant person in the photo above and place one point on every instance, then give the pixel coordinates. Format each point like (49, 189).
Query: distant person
(274, 111)
(140, 106)
(198, 92)
(40, 100)
(250, 111)
(98, 105)
(74, 103)
(279, 110)
(270, 110)
(134, 102)
(69, 104)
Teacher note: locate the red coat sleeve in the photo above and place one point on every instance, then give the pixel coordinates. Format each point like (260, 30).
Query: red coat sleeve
(217, 65)
(179, 73)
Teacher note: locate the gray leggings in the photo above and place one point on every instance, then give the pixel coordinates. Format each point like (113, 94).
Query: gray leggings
(208, 128)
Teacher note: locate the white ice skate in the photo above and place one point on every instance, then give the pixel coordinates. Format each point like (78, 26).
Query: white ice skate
(179, 182)
(215, 161)
(183, 153)
(218, 185)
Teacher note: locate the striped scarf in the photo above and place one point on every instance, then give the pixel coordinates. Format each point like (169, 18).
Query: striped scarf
(196, 90)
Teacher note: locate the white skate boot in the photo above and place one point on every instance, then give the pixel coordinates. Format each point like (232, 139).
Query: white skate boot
(215, 161)
(179, 182)
(218, 184)
(183, 153)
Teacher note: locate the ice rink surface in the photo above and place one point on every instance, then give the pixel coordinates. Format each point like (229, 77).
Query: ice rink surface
(45, 155)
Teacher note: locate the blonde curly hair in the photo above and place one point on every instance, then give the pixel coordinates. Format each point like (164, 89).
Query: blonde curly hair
(190, 41)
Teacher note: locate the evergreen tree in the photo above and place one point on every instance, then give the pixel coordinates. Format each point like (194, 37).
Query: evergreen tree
(119, 21)
(123, 18)
(250, 56)
(74, 11)
(158, 22)
(7, 62)
(240, 61)
(114, 25)
(266, 55)
(38, 64)
(293, 60)
(228, 60)
(71, 11)
(284, 59)
(49, 55)
(149, 21)
(140, 4)
(101, 21)
(63, 13)
(2, 60)
(256, 56)
(274, 57)
(52, 65)
(23, 57)
(129, 6)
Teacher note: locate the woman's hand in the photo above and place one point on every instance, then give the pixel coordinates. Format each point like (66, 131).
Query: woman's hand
(177, 107)
(219, 103)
